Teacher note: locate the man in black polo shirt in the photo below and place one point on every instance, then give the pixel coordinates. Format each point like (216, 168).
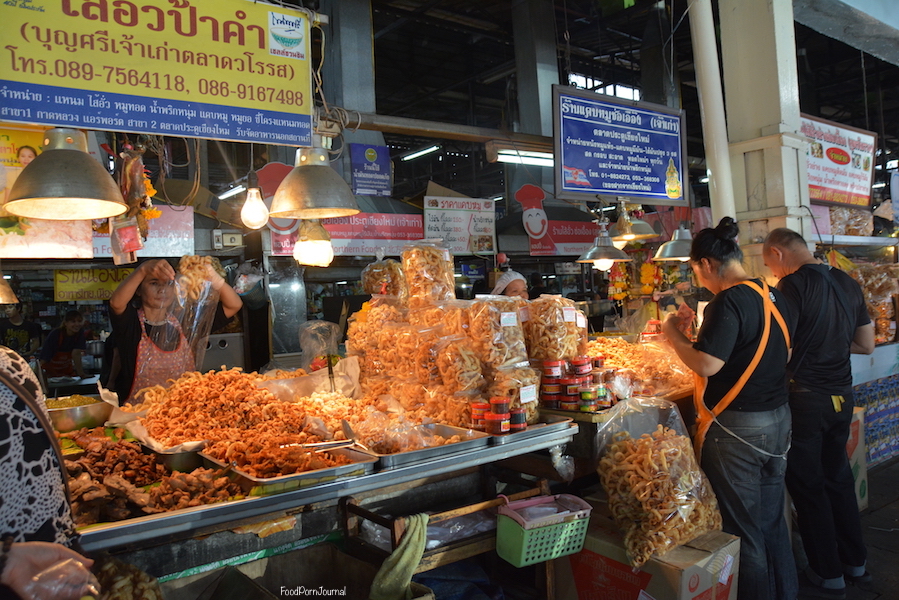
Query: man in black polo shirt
(833, 322)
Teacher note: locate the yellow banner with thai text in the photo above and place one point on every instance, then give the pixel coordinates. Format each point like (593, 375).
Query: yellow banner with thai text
(86, 284)
(229, 69)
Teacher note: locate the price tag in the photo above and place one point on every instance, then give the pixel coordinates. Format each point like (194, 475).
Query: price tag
(527, 394)
(446, 255)
(524, 313)
(581, 320)
(724, 575)
(568, 313)
(508, 319)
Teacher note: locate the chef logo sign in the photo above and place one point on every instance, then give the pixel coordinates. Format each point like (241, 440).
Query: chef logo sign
(285, 32)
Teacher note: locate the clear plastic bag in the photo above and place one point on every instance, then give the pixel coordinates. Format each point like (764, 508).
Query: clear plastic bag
(496, 332)
(519, 383)
(428, 271)
(851, 221)
(65, 580)
(460, 368)
(553, 329)
(658, 495)
(384, 276)
(318, 339)
(366, 327)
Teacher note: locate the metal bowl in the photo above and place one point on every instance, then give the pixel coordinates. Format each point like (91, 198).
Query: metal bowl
(76, 417)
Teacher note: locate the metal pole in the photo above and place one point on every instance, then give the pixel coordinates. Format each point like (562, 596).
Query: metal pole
(711, 107)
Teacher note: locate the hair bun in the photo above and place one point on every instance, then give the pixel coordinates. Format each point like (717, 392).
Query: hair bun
(727, 229)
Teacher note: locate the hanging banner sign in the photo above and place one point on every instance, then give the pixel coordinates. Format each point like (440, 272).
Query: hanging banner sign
(371, 170)
(565, 238)
(610, 146)
(86, 284)
(229, 70)
(466, 225)
(551, 238)
(171, 234)
(359, 235)
(840, 163)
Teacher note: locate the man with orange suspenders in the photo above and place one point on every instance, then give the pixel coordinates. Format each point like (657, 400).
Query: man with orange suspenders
(743, 418)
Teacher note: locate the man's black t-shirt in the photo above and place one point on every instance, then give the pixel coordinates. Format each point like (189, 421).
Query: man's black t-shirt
(824, 330)
(18, 337)
(731, 330)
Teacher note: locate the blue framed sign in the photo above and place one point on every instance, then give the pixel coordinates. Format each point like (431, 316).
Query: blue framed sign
(614, 147)
(371, 170)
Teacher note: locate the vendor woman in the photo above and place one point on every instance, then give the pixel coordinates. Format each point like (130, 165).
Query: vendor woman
(151, 347)
(511, 283)
(64, 348)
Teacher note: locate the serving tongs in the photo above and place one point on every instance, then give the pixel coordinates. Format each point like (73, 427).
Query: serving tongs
(322, 446)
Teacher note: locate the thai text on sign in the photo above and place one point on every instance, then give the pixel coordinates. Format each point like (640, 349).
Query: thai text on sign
(86, 284)
(230, 70)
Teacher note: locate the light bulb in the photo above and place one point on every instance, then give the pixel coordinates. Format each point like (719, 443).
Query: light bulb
(603, 264)
(315, 253)
(254, 213)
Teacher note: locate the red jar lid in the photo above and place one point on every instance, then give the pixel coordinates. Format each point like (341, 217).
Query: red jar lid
(499, 399)
(483, 406)
(580, 360)
(568, 380)
(518, 411)
(553, 363)
(497, 416)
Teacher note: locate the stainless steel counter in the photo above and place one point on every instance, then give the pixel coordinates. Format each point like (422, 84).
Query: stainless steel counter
(182, 523)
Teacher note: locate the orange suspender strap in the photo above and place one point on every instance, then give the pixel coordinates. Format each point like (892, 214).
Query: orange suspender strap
(704, 416)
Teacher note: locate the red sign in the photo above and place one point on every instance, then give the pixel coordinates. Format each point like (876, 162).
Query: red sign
(564, 238)
(358, 235)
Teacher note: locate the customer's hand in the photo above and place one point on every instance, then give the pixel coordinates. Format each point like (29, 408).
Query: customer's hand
(26, 560)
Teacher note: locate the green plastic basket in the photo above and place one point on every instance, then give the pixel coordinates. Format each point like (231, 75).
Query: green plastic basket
(521, 543)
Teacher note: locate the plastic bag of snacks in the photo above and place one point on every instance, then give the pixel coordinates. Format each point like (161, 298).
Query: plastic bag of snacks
(879, 286)
(384, 276)
(519, 383)
(428, 271)
(459, 365)
(494, 326)
(658, 495)
(424, 355)
(452, 314)
(365, 329)
(851, 221)
(553, 328)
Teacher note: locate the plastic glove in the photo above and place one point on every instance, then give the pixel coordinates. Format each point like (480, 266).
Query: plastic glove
(214, 278)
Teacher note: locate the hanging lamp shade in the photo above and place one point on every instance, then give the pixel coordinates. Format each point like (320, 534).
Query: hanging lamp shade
(629, 229)
(7, 296)
(678, 248)
(65, 183)
(603, 251)
(313, 190)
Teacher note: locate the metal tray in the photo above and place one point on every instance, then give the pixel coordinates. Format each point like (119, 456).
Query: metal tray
(471, 439)
(362, 464)
(546, 424)
(184, 462)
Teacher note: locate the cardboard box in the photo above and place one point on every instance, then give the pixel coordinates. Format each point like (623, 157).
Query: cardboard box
(856, 450)
(704, 569)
